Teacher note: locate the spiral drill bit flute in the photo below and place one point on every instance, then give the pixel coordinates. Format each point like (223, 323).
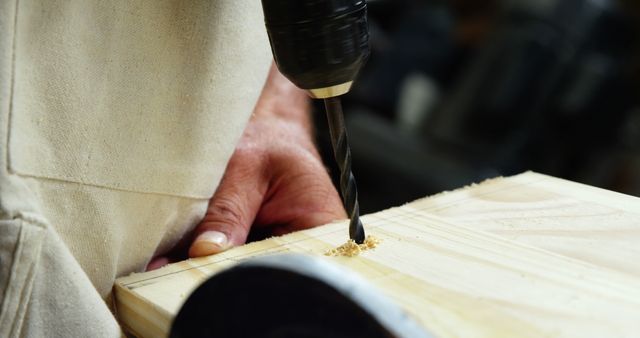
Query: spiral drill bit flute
(321, 45)
(342, 154)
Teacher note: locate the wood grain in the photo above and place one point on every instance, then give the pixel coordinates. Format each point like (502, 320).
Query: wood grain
(575, 220)
(524, 256)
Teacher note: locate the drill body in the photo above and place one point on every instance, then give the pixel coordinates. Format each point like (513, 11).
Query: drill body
(320, 46)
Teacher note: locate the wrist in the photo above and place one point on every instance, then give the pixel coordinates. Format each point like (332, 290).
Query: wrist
(282, 99)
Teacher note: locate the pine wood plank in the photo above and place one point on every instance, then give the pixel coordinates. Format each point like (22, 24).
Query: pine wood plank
(470, 263)
(579, 221)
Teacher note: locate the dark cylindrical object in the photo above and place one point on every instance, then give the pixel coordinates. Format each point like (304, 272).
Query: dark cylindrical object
(320, 45)
(342, 154)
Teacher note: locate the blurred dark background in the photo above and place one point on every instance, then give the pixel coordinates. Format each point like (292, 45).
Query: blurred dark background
(462, 90)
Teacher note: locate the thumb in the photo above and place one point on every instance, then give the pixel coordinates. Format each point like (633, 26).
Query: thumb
(232, 209)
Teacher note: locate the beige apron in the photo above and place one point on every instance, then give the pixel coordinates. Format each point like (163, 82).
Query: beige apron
(117, 119)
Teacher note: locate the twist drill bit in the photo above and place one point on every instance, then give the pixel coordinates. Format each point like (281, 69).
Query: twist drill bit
(342, 154)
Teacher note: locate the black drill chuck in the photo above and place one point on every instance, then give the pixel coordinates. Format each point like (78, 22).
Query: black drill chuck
(319, 45)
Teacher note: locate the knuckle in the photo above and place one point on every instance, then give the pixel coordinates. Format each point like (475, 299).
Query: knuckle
(225, 211)
(248, 155)
(246, 149)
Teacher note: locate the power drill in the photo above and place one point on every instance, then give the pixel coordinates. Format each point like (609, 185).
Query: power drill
(320, 46)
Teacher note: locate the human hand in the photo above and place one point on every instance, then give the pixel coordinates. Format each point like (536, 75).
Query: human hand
(275, 181)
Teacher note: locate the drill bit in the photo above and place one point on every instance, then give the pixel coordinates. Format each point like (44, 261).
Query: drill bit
(342, 154)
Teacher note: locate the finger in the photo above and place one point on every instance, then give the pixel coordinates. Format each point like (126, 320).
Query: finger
(310, 208)
(302, 196)
(233, 207)
(157, 263)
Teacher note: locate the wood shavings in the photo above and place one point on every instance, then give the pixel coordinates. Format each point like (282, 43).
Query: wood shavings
(351, 248)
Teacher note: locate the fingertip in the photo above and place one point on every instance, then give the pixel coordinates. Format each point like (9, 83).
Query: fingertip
(209, 243)
(157, 263)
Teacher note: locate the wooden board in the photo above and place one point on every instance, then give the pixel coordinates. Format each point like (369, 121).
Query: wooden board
(524, 256)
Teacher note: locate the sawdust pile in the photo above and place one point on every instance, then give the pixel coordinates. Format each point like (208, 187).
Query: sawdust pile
(351, 248)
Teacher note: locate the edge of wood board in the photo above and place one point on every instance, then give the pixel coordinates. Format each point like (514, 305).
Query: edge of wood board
(157, 320)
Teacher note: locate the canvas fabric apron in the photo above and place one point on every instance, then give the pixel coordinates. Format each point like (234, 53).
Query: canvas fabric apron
(117, 119)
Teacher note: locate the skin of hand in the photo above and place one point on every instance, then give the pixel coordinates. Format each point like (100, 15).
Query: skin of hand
(274, 182)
